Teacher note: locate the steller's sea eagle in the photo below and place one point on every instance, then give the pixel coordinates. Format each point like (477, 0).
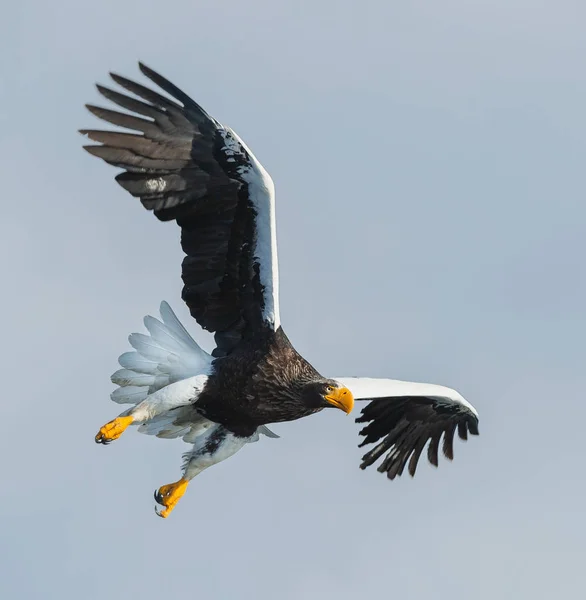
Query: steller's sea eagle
(187, 167)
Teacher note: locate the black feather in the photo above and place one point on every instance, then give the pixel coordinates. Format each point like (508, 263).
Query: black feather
(405, 425)
(181, 167)
(448, 444)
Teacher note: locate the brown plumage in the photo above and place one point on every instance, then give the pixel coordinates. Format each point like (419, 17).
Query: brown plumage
(263, 382)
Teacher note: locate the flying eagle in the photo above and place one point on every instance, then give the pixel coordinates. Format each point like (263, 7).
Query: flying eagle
(187, 167)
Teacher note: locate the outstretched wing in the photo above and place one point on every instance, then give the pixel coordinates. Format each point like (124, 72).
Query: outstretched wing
(402, 417)
(187, 167)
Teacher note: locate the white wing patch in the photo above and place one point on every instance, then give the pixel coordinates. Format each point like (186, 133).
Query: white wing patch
(366, 387)
(262, 194)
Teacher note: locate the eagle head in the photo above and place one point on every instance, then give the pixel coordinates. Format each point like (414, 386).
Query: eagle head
(327, 393)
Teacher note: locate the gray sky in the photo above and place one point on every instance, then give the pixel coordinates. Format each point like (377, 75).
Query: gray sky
(429, 165)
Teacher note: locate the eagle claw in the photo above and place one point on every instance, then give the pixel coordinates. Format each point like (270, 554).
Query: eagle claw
(113, 430)
(168, 496)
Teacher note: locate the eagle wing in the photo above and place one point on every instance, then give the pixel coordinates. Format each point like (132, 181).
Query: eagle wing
(402, 417)
(185, 166)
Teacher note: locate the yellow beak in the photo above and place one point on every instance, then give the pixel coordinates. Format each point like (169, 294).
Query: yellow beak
(341, 398)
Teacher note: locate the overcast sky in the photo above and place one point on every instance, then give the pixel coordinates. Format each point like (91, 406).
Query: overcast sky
(429, 165)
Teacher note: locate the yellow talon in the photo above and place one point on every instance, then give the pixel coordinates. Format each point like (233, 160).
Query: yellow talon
(168, 496)
(113, 430)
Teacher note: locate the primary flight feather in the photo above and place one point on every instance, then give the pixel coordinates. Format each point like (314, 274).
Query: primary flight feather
(187, 167)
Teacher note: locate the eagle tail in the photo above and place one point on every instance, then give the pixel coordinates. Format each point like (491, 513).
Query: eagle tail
(166, 355)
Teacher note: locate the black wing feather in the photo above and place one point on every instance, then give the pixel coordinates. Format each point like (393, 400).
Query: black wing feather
(177, 164)
(402, 426)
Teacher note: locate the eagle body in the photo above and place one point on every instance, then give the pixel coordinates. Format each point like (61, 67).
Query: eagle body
(186, 167)
(262, 382)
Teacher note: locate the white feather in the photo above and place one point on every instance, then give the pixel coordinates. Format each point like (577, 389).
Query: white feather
(133, 361)
(198, 429)
(175, 326)
(164, 424)
(366, 387)
(262, 194)
(264, 430)
(163, 336)
(126, 377)
(202, 456)
(147, 347)
(129, 394)
(168, 354)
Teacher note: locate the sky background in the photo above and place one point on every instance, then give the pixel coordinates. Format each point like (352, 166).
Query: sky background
(429, 165)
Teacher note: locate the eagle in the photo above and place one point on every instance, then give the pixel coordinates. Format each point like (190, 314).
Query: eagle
(187, 167)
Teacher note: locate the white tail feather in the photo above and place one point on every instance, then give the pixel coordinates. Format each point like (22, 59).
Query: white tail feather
(168, 354)
(129, 394)
(126, 377)
(180, 333)
(134, 362)
(147, 347)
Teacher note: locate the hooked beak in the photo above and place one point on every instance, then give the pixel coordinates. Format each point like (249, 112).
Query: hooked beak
(341, 398)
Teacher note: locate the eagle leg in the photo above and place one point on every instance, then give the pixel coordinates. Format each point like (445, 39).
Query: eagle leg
(168, 496)
(113, 430)
(212, 446)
